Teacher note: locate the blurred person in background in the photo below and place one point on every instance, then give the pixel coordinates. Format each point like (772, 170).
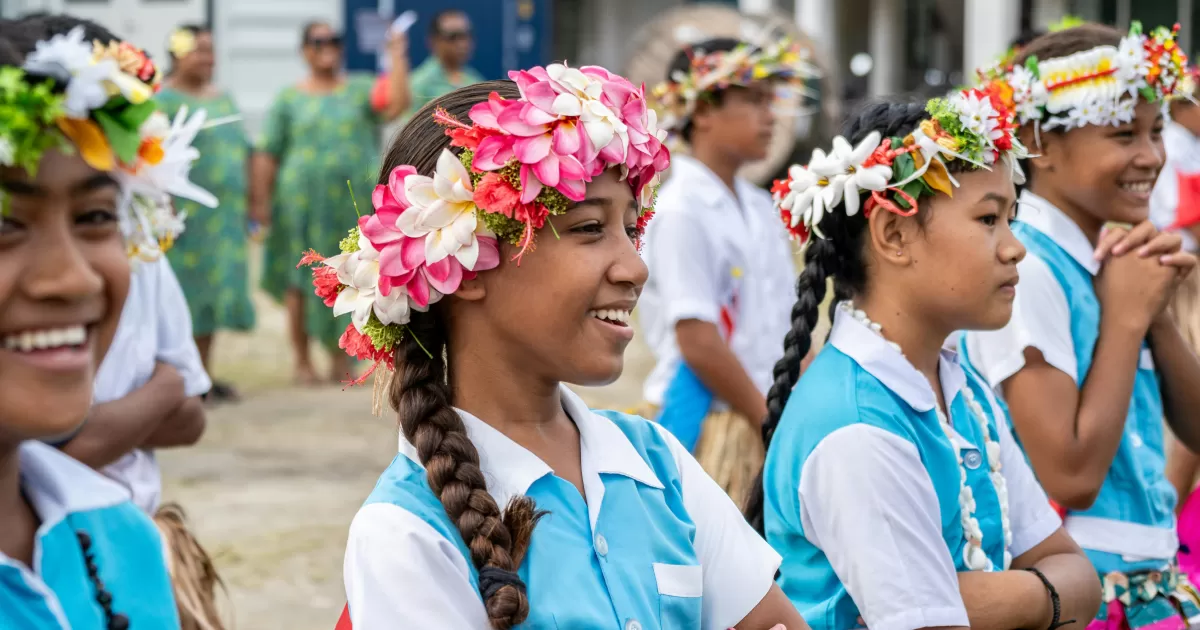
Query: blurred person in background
(319, 134)
(721, 267)
(445, 70)
(1175, 205)
(210, 258)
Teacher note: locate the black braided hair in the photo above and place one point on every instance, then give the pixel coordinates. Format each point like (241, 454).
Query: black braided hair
(838, 256)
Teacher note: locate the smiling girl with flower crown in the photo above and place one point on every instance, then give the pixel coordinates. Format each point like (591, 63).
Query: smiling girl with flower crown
(511, 504)
(87, 168)
(1091, 361)
(891, 485)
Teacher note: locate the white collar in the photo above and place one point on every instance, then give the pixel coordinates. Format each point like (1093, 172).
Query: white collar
(58, 485)
(877, 356)
(1044, 217)
(702, 181)
(510, 469)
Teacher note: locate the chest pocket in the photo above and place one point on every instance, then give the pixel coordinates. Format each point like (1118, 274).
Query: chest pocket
(680, 591)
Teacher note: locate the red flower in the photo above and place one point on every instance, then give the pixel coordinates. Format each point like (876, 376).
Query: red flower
(781, 188)
(360, 347)
(798, 232)
(327, 285)
(494, 194)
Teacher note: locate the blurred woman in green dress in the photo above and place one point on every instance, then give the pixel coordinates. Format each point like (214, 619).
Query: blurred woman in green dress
(210, 257)
(318, 135)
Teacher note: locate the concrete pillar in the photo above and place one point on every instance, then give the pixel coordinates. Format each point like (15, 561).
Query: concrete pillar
(817, 19)
(1047, 12)
(988, 28)
(886, 47)
(755, 7)
(1185, 17)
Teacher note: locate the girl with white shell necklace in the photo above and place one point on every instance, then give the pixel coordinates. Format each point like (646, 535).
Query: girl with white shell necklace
(892, 486)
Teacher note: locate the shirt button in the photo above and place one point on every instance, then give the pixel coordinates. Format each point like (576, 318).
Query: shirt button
(602, 548)
(633, 624)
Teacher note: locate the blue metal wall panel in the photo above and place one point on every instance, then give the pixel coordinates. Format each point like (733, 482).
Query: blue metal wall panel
(509, 34)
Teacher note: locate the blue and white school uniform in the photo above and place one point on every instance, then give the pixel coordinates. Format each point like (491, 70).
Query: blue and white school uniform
(155, 326)
(720, 258)
(862, 487)
(1130, 529)
(56, 593)
(655, 545)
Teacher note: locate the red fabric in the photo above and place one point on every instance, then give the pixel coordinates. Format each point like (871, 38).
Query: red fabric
(344, 621)
(379, 101)
(1062, 511)
(1187, 212)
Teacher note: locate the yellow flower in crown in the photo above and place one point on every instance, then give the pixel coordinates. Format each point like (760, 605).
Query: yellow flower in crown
(181, 43)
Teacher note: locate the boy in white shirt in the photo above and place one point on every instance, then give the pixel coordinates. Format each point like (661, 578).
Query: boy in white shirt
(721, 269)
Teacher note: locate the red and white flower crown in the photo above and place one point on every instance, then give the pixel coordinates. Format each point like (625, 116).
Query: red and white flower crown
(519, 162)
(973, 126)
(1098, 86)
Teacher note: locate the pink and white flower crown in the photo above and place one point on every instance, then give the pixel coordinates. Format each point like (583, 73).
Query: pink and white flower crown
(519, 162)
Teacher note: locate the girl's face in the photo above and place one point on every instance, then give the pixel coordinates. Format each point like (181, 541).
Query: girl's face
(962, 264)
(64, 276)
(199, 63)
(566, 308)
(1105, 171)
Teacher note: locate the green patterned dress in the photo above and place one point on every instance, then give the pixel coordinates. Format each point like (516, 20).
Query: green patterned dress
(210, 256)
(322, 141)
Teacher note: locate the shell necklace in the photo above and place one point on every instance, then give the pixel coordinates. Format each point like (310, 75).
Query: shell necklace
(973, 555)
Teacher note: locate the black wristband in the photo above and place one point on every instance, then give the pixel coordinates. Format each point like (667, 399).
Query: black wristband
(1055, 624)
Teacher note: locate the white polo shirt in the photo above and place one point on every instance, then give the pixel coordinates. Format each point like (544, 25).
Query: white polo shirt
(719, 258)
(155, 326)
(652, 544)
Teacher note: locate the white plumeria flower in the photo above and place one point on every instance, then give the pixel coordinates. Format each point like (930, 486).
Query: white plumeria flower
(86, 89)
(1130, 60)
(602, 124)
(856, 177)
(7, 152)
(977, 115)
(443, 212)
(359, 271)
(574, 89)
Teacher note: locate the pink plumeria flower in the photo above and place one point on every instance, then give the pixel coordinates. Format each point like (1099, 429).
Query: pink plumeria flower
(443, 212)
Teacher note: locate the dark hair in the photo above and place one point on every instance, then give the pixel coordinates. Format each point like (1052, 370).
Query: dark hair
(435, 24)
(838, 256)
(682, 62)
(422, 397)
(308, 28)
(45, 26)
(9, 54)
(1024, 38)
(1060, 44)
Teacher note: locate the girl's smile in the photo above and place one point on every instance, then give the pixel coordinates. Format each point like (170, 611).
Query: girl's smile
(65, 348)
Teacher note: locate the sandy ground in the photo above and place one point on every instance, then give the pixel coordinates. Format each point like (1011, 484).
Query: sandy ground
(274, 483)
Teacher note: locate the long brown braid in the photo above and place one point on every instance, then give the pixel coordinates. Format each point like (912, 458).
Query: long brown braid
(421, 395)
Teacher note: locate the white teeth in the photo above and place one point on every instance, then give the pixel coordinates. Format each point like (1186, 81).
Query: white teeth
(612, 315)
(46, 339)
(1138, 187)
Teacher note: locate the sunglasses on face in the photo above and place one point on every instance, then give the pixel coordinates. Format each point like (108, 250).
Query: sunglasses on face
(455, 36)
(334, 41)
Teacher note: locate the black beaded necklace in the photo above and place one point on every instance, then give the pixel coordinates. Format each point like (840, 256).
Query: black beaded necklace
(114, 621)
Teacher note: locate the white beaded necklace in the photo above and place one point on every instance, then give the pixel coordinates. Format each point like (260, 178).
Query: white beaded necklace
(973, 554)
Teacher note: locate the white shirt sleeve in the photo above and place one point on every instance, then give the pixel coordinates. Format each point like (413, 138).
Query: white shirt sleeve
(866, 500)
(738, 565)
(686, 268)
(1029, 513)
(1041, 319)
(176, 347)
(401, 573)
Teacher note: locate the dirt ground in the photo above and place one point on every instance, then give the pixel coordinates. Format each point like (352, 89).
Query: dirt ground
(274, 483)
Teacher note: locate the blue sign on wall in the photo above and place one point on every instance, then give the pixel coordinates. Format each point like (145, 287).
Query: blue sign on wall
(509, 34)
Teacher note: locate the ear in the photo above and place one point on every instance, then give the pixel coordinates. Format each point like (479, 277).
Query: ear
(890, 236)
(1044, 146)
(702, 117)
(471, 290)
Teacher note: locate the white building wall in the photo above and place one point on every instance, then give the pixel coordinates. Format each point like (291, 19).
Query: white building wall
(988, 28)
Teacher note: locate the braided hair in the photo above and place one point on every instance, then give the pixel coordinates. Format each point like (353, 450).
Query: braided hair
(422, 396)
(839, 256)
